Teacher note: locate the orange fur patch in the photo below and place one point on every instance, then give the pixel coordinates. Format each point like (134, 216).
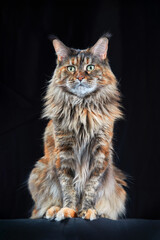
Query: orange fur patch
(44, 160)
(109, 75)
(58, 160)
(105, 150)
(34, 211)
(52, 211)
(49, 123)
(50, 141)
(46, 152)
(72, 60)
(120, 192)
(58, 163)
(69, 212)
(89, 213)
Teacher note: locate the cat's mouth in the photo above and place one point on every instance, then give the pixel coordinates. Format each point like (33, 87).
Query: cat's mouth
(82, 89)
(83, 85)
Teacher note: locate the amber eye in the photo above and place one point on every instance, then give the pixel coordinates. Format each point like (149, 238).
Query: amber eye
(90, 68)
(71, 68)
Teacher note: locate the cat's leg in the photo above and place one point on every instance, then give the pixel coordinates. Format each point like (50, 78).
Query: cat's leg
(45, 190)
(65, 165)
(69, 195)
(101, 162)
(110, 197)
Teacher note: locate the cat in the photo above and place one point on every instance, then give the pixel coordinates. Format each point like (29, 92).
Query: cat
(76, 177)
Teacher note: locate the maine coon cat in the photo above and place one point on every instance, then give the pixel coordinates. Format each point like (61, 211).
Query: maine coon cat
(76, 177)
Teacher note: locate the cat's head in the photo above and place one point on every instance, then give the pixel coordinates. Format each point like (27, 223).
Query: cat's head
(82, 72)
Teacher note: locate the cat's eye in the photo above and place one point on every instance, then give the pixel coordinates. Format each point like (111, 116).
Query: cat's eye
(90, 68)
(71, 68)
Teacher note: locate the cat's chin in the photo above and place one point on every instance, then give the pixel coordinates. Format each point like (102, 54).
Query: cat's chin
(82, 91)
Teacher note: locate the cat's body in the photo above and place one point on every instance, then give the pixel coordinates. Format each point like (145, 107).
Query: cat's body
(76, 176)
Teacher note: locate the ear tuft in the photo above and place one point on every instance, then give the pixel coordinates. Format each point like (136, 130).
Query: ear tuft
(107, 35)
(100, 48)
(51, 37)
(61, 49)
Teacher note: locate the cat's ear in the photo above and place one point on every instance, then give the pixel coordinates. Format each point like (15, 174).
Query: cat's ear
(61, 49)
(100, 48)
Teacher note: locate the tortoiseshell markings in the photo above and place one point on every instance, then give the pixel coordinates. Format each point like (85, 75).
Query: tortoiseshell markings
(49, 146)
(109, 76)
(67, 172)
(97, 171)
(89, 214)
(49, 123)
(44, 160)
(88, 121)
(34, 212)
(68, 212)
(58, 160)
(51, 212)
(65, 213)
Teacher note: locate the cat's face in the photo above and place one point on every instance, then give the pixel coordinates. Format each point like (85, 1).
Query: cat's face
(81, 72)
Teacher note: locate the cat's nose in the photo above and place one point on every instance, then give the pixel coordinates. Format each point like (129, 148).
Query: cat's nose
(80, 77)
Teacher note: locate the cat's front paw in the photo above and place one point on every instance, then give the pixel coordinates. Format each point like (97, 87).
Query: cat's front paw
(65, 213)
(51, 212)
(89, 214)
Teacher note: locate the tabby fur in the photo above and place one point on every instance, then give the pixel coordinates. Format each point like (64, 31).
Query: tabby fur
(77, 176)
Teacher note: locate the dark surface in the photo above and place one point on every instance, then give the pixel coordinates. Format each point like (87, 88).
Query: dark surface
(76, 229)
(27, 64)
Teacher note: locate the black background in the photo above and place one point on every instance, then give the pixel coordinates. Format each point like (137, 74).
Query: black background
(27, 64)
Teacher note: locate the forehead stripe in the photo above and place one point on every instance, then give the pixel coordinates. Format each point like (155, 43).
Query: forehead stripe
(82, 56)
(79, 59)
(75, 60)
(89, 60)
(85, 60)
(70, 61)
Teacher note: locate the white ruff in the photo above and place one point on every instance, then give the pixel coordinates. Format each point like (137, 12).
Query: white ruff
(82, 91)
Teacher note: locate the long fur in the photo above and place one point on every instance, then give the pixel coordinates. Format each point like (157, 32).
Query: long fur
(77, 169)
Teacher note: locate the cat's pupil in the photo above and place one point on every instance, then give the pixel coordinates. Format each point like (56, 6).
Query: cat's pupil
(90, 67)
(71, 68)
